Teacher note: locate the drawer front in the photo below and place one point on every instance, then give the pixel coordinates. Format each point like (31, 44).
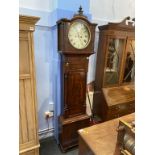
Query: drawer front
(112, 116)
(113, 110)
(124, 108)
(120, 110)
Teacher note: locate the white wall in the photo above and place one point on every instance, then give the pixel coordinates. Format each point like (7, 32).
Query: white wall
(111, 10)
(41, 5)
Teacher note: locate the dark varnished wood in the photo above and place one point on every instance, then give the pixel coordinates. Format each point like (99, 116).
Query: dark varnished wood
(64, 45)
(105, 93)
(74, 67)
(69, 135)
(74, 80)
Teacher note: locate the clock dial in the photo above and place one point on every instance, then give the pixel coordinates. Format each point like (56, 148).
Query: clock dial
(79, 35)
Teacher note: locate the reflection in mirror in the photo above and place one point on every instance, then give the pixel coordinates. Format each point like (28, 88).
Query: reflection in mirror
(129, 73)
(115, 50)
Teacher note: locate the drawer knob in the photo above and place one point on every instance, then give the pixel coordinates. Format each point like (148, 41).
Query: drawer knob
(67, 64)
(117, 108)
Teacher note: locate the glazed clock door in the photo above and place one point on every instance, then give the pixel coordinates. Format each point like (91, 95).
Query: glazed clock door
(74, 93)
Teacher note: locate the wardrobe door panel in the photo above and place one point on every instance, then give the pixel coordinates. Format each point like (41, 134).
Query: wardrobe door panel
(23, 115)
(24, 53)
(27, 117)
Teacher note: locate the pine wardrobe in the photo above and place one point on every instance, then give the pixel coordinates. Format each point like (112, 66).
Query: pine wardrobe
(28, 124)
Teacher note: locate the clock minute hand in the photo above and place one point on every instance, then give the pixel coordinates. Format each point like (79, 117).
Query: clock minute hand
(80, 38)
(76, 30)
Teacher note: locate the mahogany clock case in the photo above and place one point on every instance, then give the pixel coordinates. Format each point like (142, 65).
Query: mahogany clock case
(74, 67)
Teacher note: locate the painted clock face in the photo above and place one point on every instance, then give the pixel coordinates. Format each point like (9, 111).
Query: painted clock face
(79, 35)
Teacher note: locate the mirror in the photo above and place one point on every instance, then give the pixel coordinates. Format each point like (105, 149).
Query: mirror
(129, 70)
(111, 73)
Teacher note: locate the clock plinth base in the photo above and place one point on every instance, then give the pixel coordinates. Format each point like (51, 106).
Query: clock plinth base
(68, 132)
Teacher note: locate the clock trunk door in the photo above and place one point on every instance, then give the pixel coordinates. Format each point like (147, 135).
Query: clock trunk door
(74, 94)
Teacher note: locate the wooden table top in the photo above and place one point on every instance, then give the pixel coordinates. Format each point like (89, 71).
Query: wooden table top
(102, 138)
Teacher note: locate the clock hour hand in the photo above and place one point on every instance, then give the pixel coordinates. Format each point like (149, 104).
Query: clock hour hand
(79, 36)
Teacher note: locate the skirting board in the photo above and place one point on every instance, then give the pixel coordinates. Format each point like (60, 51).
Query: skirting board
(43, 134)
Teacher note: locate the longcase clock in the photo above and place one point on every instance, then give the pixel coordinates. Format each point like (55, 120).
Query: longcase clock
(75, 44)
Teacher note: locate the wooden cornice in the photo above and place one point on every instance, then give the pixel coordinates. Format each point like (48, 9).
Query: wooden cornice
(28, 19)
(121, 25)
(27, 22)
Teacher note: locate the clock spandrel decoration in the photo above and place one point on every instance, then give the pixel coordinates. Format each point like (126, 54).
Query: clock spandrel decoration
(75, 44)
